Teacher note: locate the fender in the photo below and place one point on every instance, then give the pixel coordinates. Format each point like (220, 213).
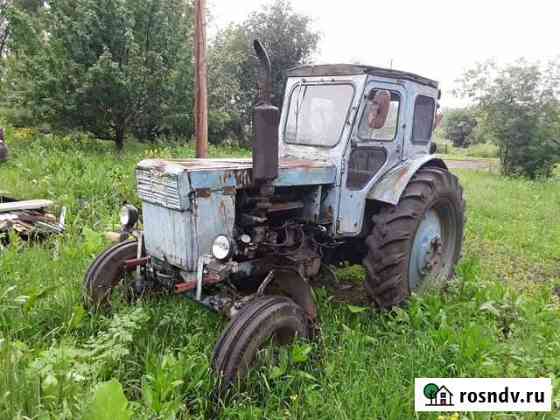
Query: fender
(293, 284)
(391, 186)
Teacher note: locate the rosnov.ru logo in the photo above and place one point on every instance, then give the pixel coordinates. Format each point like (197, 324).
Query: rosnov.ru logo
(438, 396)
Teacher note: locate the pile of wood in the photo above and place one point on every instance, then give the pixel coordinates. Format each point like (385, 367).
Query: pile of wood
(29, 219)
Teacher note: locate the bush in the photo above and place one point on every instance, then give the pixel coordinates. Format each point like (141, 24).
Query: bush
(521, 112)
(459, 126)
(224, 128)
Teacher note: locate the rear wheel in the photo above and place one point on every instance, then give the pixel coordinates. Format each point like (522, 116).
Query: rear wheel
(107, 273)
(418, 242)
(267, 321)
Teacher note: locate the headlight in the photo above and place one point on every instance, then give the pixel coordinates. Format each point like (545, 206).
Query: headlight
(221, 248)
(129, 216)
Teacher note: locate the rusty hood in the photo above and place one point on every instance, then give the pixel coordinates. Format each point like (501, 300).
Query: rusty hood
(170, 181)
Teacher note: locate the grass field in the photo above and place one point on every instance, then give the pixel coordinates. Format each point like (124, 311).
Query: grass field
(499, 318)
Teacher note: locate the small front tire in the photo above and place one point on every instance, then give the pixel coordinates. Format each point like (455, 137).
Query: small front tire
(268, 317)
(106, 273)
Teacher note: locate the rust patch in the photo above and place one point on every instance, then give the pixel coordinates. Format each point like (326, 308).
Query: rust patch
(222, 209)
(243, 177)
(328, 216)
(203, 192)
(302, 163)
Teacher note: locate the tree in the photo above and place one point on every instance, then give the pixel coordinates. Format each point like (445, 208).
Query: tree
(4, 31)
(111, 67)
(6, 6)
(289, 40)
(459, 125)
(520, 106)
(226, 66)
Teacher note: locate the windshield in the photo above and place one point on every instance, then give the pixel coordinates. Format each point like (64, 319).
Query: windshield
(317, 114)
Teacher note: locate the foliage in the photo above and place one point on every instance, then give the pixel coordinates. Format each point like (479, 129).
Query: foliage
(499, 318)
(226, 58)
(459, 125)
(108, 403)
(7, 8)
(117, 67)
(108, 67)
(289, 39)
(520, 107)
(4, 30)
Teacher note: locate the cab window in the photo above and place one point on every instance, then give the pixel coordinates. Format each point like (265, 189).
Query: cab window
(317, 114)
(424, 109)
(381, 116)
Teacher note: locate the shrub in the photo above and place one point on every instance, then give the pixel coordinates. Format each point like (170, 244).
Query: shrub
(521, 111)
(459, 126)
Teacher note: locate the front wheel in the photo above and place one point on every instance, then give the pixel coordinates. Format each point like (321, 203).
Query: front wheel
(417, 242)
(107, 273)
(266, 321)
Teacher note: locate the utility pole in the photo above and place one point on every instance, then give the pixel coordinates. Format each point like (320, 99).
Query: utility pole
(201, 82)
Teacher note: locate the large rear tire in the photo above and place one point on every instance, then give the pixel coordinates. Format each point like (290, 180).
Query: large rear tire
(417, 242)
(106, 273)
(274, 320)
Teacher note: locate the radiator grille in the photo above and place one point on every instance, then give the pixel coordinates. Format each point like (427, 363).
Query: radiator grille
(159, 188)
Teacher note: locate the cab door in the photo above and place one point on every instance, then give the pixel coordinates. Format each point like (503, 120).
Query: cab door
(375, 146)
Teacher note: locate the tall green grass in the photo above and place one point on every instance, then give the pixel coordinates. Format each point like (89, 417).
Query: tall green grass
(499, 317)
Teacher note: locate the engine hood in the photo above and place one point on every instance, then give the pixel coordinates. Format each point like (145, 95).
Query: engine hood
(169, 182)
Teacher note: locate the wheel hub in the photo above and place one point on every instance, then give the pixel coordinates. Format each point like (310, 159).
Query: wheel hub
(427, 249)
(433, 255)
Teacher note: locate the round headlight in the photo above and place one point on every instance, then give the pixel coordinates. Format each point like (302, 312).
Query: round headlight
(129, 216)
(221, 248)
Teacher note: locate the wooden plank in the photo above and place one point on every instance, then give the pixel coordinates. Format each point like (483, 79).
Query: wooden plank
(25, 205)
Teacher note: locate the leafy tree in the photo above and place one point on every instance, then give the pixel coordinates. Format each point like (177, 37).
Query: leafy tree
(32, 7)
(4, 31)
(290, 41)
(226, 66)
(459, 126)
(520, 107)
(111, 67)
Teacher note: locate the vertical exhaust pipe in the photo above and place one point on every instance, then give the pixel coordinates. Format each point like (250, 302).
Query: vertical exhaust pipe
(267, 120)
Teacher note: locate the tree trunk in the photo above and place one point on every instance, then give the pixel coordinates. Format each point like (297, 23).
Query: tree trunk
(119, 138)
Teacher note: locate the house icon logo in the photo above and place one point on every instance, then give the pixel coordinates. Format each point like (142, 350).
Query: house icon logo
(438, 396)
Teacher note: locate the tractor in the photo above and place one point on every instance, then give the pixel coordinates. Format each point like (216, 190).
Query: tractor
(345, 173)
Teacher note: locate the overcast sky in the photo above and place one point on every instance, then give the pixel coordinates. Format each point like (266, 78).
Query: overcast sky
(435, 38)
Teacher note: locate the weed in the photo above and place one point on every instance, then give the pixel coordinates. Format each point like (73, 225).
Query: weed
(499, 317)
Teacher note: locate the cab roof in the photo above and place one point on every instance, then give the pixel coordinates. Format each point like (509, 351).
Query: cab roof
(309, 70)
